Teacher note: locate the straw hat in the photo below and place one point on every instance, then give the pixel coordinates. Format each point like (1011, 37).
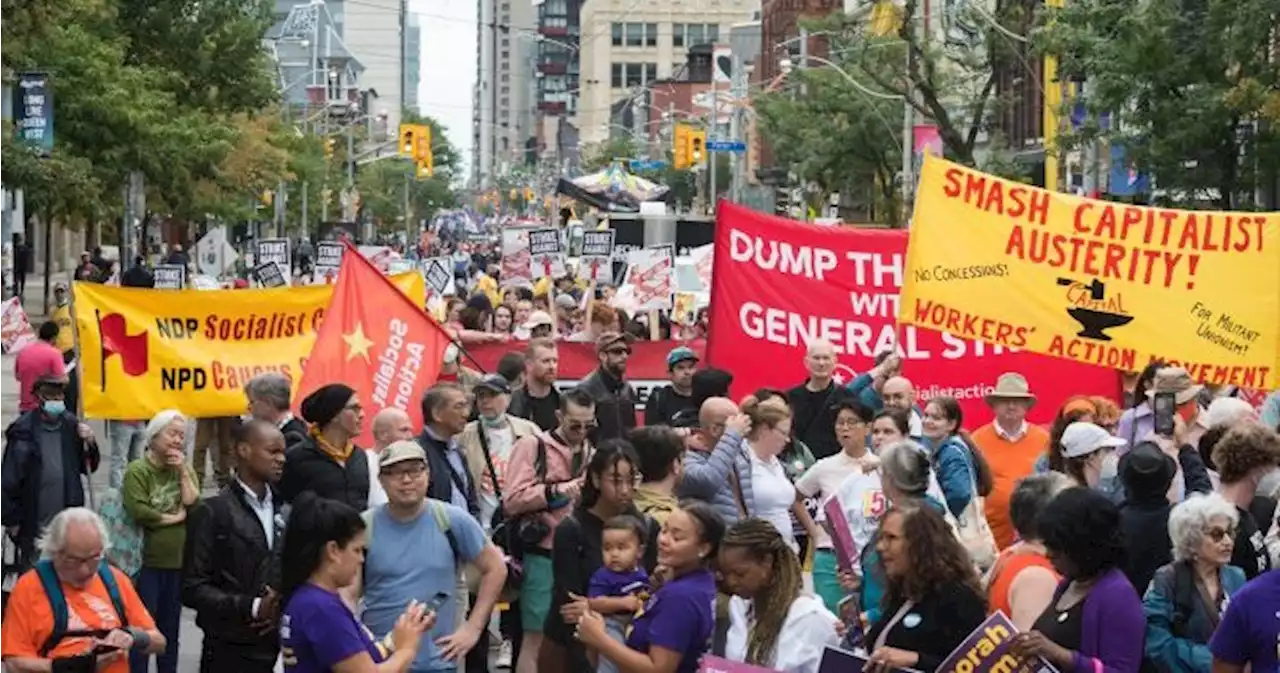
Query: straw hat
(1011, 386)
(1174, 380)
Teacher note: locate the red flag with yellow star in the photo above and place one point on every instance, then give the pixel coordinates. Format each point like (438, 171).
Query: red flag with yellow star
(374, 339)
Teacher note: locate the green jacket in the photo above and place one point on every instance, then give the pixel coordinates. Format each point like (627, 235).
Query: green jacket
(150, 492)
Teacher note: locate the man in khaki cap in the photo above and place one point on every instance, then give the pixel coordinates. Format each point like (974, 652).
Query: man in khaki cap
(1011, 446)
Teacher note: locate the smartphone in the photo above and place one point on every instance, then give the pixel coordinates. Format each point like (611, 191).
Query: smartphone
(1164, 405)
(437, 601)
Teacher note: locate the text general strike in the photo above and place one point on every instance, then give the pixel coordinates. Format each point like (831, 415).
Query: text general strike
(1155, 227)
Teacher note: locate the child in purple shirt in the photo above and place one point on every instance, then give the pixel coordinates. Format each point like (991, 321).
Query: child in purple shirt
(620, 587)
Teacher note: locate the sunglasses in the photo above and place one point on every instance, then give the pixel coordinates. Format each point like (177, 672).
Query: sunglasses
(618, 351)
(1218, 533)
(579, 426)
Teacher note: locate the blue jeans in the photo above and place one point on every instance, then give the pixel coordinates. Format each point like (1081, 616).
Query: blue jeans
(126, 446)
(161, 592)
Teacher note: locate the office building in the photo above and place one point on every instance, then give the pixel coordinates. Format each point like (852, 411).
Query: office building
(626, 47)
(503, 94)
(412, 62)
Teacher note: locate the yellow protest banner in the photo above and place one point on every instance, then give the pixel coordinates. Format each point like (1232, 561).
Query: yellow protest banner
(142, 350)
(1106, 283)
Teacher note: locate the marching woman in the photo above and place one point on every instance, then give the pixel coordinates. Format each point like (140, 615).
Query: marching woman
(772, 622)
(932, 600)
(673, 632)
(323, 552)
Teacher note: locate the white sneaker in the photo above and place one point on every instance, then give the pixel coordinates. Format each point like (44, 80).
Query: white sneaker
(504, 655)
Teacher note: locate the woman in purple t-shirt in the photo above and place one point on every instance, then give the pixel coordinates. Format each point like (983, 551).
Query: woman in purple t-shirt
(324, 543)
(674, 631)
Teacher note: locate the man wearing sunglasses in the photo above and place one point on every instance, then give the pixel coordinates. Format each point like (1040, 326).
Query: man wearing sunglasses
(615, 398)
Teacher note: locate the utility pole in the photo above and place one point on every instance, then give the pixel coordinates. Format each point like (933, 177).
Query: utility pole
(351, 156)
(408, 216)
(908, 136)
(306, 224)
(711, 157)
(737, 160)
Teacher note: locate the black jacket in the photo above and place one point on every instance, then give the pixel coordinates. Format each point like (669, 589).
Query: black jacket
(815, 424)
(443, 476)
(307, 468)
(615, 404)
(137, 276)
(227, 564)
(1145, 525)
(665, 404)
(23, 465)
(294, 431)
(944, 619)
(522, 407)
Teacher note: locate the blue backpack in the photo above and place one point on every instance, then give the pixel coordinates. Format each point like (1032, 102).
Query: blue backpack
(58, 604)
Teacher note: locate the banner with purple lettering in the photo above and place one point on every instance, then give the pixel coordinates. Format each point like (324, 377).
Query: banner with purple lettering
(987, 650)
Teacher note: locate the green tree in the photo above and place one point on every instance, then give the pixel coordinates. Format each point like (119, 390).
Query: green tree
(1191, 88)
(382, 184)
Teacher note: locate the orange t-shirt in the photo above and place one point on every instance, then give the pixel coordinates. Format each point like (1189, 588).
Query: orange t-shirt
(28, 619)
(1009, 461)
(1006, 569)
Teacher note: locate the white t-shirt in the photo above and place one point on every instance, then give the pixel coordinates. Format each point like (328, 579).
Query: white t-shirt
(774, 495)
(824, 478)
(805, 634)
(501, 440)
(377, 496)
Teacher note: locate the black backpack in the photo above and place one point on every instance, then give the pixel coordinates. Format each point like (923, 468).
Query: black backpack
(1184, 605)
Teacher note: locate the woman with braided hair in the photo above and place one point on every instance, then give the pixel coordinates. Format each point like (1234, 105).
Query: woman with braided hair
(772, 622)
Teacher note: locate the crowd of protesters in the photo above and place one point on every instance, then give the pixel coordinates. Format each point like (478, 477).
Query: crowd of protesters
(563, 530)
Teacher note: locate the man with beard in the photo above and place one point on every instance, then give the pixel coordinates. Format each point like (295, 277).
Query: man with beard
(615, 398)
(232, 573)
(538, 400)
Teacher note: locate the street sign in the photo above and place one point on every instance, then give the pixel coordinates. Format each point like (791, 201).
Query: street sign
(33, 111)
(214, 255)
(647, 164)
(726, 146)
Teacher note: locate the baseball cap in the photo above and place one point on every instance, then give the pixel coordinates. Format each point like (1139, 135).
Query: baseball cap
(398, 452)
(537, 319)
(1082, 439)
(680, 354)
(494, 383)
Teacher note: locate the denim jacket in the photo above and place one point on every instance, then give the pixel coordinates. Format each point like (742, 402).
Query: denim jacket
(956, 472)
(1187, 650)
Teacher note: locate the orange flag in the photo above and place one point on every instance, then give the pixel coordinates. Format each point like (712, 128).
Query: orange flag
(377, 341)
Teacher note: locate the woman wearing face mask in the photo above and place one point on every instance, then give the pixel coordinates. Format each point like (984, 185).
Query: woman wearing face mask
(772, 622)
(1089, 454)
(671, 635)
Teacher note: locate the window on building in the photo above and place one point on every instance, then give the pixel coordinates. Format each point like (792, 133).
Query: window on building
(694, 34)
(634, 75)
(506, 54)
(650, 72)
(617, 34)
(504, 102)
(505, 90)
(615, 75)
(650, 34)
(677, 34)
(635, 34)
(713, 32)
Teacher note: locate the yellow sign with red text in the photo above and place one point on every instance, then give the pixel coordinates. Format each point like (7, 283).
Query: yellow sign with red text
(142, 351)
(1094, 281)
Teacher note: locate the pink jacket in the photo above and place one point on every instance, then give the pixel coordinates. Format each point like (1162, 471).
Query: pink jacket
(526, 492)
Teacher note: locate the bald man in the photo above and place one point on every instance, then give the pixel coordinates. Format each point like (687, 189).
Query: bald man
(710, 468)
(899, 394)
(389, 425)
(815, 402)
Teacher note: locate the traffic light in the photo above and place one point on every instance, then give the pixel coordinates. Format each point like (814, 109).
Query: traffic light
(424, 160)
(680, 147)
(697, 147)
(407, 134)
(329, 144)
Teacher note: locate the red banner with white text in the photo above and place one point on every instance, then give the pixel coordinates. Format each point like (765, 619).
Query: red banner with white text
(779, 284)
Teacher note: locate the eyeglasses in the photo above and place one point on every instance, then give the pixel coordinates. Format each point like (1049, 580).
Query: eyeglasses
(848, 424)
(1217, 533)
(407, 473)
(581, 426)
(82, 560)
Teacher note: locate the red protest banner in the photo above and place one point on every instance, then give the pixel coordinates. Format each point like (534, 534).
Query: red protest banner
(779, 284)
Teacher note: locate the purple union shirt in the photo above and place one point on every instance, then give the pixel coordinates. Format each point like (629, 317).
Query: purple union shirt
(317, 631)
(679, 617)
(1250, 629)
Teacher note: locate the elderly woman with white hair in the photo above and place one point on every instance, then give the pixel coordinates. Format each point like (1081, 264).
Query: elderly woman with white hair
(1186, 599)
(159, 488)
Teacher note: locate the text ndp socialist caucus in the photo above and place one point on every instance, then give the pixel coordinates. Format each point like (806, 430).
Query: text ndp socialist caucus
(1105, 283)
(147, 350)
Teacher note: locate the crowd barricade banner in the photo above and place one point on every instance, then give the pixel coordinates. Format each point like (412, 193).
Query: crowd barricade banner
(989, 650)
(780, 284)
(646, 370)
(144, 350)
(1104, 283)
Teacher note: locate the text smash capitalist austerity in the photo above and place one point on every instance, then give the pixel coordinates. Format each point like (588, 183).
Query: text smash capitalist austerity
(1103, 247)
